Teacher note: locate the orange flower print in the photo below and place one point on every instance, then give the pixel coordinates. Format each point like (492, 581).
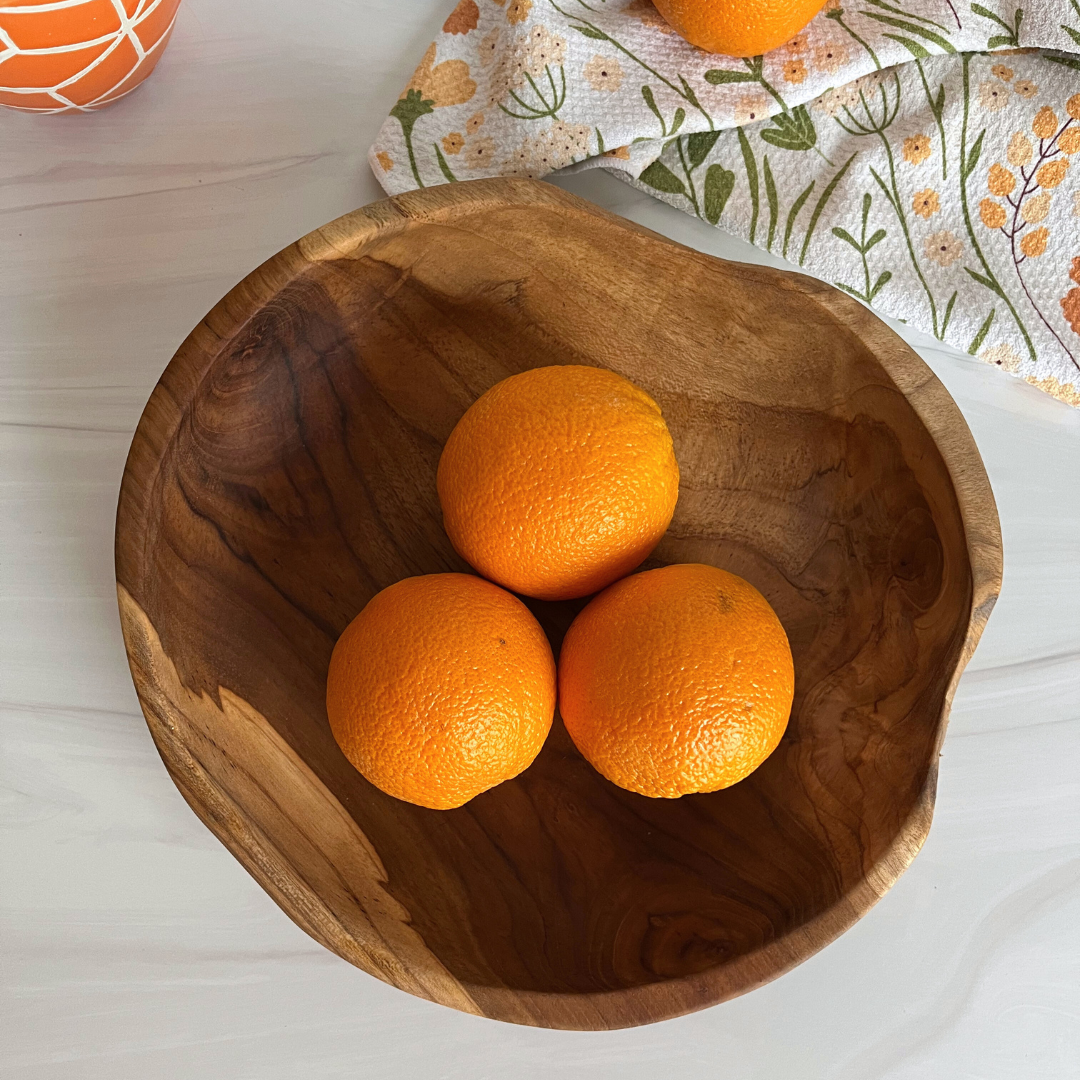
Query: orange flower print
(831, 56)
(926, 203)
(1069, 142)
(751, 107)
(1003, 355)
(993, 214)
(1045, 123)
(465, 17)
(1052, 173)
(798, 45)
(442, 84)
(1072, 106)
(993, 96)
(1020, 150)
(604, 73)
(385, 160)
(1070, 303)
(1000, 71)
(518, 11)
(1000, 181)
(453, 143)
(620, 152)
(1025, 88)
(479, 153)
(917, 149)
(943, 247)
(794, 71)
(474, 123)
(1034, 244)
(1036, 208)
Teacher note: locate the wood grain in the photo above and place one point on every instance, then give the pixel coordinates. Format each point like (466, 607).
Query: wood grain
(284, 471)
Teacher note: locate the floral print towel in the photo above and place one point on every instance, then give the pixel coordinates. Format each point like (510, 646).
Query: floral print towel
(921, 155)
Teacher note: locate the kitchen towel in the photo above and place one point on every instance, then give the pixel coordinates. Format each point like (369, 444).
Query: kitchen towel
(921, 155)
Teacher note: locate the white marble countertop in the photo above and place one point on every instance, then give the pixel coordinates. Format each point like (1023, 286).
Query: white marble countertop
(133, 945)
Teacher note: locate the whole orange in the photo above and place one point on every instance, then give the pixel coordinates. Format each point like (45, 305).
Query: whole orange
(442, 687)
(676, 680)
(558, 481)
(78, 55)
(738, 27)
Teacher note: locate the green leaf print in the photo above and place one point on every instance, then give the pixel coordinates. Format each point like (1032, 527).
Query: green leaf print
(912, 28)
(774, 203)
(721, 77)
(1011, 38)
(659, 176)
(590, 32)
(1074, 34)
(980, 337)
(913, 47)
(444, 168)
(407, 111)
(751, 179)
(837, 16)
(699, 145)
(793, 131)
(826, 195)
(719, 183)
(793, 213)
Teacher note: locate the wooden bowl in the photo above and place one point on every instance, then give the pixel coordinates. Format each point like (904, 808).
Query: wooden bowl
(284, 471)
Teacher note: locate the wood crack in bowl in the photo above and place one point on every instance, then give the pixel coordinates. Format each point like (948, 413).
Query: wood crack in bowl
(284, 471)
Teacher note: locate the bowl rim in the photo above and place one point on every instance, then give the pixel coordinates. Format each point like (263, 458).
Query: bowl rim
(345, 237)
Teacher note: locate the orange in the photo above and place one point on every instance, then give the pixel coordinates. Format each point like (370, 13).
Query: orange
(558, 481)
(676, 680)
(80, 55)
(442, 687)
(738, 27)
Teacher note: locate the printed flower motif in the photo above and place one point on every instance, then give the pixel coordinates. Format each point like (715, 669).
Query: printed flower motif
(1004, 355)
(1025, 88)
(831, 56)
(385, 160)
(478, 154)
(442, 84)
(489, 47)
(1020, 150)
(917, 148)
(751, 107)
(465, 17)
(453, 143)
(1034, 243)
(518, 11)
(1072, 106)
(1000, 71)
(604, 74)
(1076, 204)
(1070, 303)
(646, 14)
(993, 214)
(1069, 141)
(620, 152)
(993, 96)
(794, 71)
(1052, 173)
(1000, 181)
(833, 102)
(798, 45)
(555, 148)
(943, 247)
(1045, 123)
(543, 48)
(926, 203)
(1036, 208)
(474, 123)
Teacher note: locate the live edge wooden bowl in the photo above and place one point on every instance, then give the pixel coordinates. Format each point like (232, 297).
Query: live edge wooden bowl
(284, 471)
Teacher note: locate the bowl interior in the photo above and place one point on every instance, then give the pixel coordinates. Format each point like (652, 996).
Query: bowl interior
(301, 480)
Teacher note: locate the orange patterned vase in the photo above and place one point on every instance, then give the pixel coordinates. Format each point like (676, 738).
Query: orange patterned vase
(78, 55)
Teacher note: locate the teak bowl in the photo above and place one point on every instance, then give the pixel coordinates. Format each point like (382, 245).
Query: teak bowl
(284, 471)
